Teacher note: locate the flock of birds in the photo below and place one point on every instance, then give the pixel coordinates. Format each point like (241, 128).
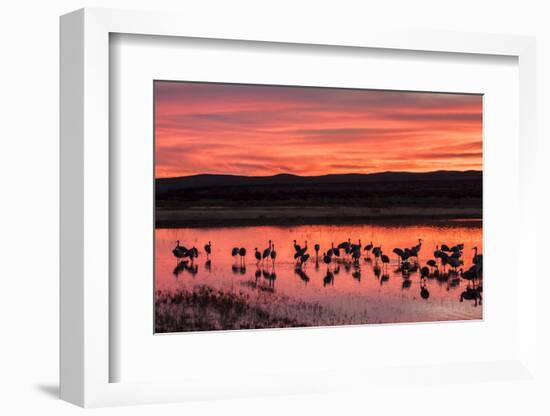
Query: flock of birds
(446, 264)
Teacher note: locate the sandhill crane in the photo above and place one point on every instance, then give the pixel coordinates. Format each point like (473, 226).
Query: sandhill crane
(469, 274)
(400, 253)
(377, 251)
(478, 258)
(471, 294)
(193, 253)
(208, 249)
(242, 253)
(385, 260)
(405, 268)
(235, 251)
(334, 251)
(454, 263)
(345, 245)
(356, 255)
(179, 251)
(267, 252)
(432, 263)
(368, 247)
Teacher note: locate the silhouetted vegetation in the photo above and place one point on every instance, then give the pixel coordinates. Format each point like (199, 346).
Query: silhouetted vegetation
(206, 309)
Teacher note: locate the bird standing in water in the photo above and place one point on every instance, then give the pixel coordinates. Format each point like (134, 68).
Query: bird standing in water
(242, 253)
(273, 253)
(267, 252)
(208, 249)
(235, 252)
(385, 260)
(179, 251)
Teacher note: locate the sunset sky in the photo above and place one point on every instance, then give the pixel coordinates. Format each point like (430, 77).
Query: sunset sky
(266, 130)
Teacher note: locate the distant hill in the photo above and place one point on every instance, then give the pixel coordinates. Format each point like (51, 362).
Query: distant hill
(210, 200)
(167, 185)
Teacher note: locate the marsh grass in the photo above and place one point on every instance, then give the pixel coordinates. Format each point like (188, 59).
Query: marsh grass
(203, 308)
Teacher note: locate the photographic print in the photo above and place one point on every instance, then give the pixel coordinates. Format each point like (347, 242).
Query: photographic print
(289, 206)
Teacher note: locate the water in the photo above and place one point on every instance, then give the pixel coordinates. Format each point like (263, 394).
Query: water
(224, 293)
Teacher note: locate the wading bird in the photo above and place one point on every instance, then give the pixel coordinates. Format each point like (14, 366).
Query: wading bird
(193, 253)
(242, 253)
(385, 260)
(478, 258)
(354, 247)
(471, 294)
(235, 252)
(377, 251)
(179, 251)
(345, 245)
(267, 252)
(400, 253)
(356, 255)
(208, 249)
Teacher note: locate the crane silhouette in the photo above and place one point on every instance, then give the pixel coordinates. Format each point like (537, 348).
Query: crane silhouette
(242, 254)
(267, 252)
(208, 249)
(273, 253)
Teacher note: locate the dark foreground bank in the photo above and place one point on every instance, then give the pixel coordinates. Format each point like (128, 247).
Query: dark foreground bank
(214, 200)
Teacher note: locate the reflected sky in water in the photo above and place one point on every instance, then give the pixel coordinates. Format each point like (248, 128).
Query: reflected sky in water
(350, 294)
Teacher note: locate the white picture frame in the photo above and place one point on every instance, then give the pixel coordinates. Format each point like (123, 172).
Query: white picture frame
(85, 213)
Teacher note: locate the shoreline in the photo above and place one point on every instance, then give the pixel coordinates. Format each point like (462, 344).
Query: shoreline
(202, 217)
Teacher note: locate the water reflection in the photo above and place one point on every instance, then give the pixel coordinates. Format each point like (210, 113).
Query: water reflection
(288, 283)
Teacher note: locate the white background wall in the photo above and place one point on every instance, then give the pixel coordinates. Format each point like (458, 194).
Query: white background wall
(29, 57)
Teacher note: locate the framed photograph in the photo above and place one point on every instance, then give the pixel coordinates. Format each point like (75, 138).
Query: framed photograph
(371, 202)
(270, 211)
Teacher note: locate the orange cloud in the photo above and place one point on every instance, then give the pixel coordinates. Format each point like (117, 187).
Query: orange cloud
(265, 130)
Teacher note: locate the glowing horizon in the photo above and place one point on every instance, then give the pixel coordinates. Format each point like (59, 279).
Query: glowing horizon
(256, 130)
